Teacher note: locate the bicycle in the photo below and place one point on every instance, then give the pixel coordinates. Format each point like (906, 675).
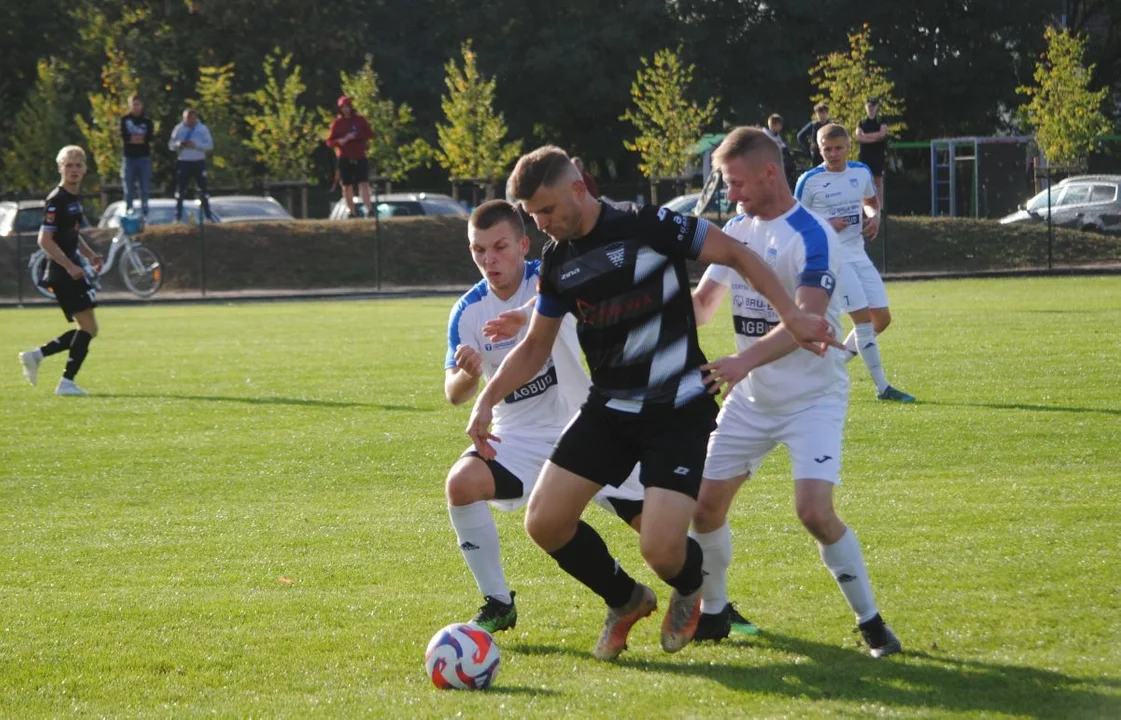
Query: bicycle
(140, 266)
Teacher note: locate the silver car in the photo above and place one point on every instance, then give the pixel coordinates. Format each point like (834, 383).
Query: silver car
(1083, 202)
(226, 208)
(402, 205)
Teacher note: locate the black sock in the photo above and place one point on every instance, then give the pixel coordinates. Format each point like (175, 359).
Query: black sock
(60, 343)
(78, 350)
(587, 559)
(690, 577)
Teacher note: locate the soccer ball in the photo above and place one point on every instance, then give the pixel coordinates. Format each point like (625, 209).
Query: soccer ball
(462, 656)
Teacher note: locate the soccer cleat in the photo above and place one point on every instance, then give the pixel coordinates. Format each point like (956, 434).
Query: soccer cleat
(613, 639)
(30, 361)
(496, 615)
(681, 620)
(67, 387)
(717, 626)
(891, 393)
(879, 637)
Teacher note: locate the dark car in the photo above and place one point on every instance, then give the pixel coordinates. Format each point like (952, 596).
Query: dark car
(402, 205)
(20, 217)
(1083, 202)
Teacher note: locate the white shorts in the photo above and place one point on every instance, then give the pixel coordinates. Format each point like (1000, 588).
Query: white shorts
(525, 456)
(744, 436)
(868, 279)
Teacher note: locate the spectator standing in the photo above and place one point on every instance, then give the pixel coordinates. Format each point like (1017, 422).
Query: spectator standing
(774, 132)
(871, 133)
(191, 141)
(807, 136)
(136, 166)
(589, 181)
(350, 135)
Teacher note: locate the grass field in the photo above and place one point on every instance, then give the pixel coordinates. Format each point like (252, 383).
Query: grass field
(246, 518)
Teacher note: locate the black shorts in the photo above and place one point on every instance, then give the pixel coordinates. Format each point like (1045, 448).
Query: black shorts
(353, 171)
(603, 445)
(876, 165)
(73, 296)
(507, 486)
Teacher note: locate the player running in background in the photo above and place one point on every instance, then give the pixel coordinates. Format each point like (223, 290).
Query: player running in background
(844, 194)
(778, 393)
(529, 419)
(59, 238)
(620, 269)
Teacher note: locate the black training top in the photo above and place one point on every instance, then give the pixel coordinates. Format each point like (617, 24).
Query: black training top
(63, 216)
(627, 284)
(872, 152)
(132, 125)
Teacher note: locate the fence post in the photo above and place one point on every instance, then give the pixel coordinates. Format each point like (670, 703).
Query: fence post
(19, 269)
(202, 254)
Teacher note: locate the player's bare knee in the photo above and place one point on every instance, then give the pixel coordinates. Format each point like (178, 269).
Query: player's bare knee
(548, 531)
(817, 518)
(466, 485)
(664, 555)
(708, 516)
(881, 318)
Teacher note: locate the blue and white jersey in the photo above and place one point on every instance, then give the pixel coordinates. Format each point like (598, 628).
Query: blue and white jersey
(802, 250)
(840, 195)
(544, 405)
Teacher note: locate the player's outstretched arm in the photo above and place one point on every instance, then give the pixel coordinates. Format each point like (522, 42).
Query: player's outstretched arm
(811, 331)
(527, 357)
(774, 345)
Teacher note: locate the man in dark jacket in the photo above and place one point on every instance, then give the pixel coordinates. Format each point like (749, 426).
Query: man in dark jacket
(807, 136)
(136, 166)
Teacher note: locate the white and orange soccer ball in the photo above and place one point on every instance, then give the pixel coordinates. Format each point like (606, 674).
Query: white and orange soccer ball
(462, 656)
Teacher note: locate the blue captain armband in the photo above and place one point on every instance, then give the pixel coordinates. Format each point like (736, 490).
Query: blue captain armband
(818, 279)
(550, 307)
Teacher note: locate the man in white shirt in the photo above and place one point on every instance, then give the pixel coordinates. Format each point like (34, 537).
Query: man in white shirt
(777, 393)
(191, 141)
(843, 193)
(485, 324)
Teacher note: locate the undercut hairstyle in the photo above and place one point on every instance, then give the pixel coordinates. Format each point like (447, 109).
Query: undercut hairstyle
(745, 141)
(70, 152)
(821, 106)
(545, 166)
(493, 212)
(832, 131)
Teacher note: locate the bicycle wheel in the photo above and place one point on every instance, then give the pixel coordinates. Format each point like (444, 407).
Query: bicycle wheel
(141, 270)
(38, 269)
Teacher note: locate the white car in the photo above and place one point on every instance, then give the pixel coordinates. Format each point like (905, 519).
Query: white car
(226, 208)
(402, 205)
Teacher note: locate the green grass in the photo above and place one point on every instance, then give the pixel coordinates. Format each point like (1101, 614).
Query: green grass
(246, 519)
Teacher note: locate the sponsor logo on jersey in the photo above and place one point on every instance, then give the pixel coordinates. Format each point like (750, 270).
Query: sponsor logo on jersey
(570, 273)
(612, 311)
(752, 327)
(500, 345)
(535, 387)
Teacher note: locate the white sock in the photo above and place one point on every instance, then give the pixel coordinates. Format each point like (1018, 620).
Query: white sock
(477, 536)
(850, 346)
(865, 339)
(717, 547)
(846, 563)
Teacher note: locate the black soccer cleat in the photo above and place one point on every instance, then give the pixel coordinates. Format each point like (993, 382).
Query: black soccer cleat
(496, 615)
(879, 637)
(717, 626)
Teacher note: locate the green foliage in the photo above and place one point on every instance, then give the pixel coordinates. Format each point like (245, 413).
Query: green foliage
(1065, 113)
(845, 80)
(39, 130)
(391, 152)
(668, 124)
(103, 130)
(472, 142)
(230, 163)
(281, 131)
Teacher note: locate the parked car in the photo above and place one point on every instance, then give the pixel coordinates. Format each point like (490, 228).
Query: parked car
(1083, 202)
(402, 205)
(22, 216)
(226, 208)
(685, 204)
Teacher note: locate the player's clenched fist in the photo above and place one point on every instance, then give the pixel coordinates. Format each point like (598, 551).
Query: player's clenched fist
(468, 360)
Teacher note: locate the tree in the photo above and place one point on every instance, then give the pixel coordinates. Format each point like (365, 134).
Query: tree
(281, 131)
(471, 144)
(390, 151)
(40, 129)
(845, 80)
(103, 131)
(668, 124)
(221, 109)
(1065, 113)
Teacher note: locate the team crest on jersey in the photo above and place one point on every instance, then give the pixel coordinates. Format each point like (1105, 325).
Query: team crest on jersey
(772, 255)
(854, 182)
(616, 253)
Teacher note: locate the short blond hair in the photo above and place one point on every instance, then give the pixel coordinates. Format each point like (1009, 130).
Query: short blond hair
(831, 131)
(70, 152)
(744, 141)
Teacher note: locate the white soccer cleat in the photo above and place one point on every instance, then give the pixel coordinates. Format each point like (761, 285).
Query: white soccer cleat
(30, 361)
(67, 387)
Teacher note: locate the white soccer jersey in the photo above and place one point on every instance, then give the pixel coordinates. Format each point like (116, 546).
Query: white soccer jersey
(840, 195)
(802, 250)
(544, 405)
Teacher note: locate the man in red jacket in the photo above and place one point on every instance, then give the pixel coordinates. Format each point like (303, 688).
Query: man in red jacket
(349, 135)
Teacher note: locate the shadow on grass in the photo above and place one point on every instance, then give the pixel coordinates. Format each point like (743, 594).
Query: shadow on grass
(519, 690)
(914, 680)
(1025, 406)
(299, 402)
(529, 649)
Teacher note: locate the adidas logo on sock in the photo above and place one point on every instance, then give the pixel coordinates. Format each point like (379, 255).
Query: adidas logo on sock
(871, 344)
(468, 546)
